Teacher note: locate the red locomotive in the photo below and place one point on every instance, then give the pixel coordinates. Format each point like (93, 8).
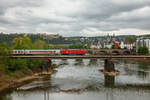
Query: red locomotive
(72, 52)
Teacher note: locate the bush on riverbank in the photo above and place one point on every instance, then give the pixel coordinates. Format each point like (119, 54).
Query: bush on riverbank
(16, 68)
(143, 50)
(12, 69)
(10, 66)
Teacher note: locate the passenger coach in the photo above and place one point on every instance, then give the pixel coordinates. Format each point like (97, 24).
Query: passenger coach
(49, 52)
(36, 52)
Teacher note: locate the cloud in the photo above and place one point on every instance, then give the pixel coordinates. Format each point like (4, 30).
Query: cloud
(75, 17)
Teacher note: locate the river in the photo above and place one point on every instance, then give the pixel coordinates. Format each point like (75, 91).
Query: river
(81, 80)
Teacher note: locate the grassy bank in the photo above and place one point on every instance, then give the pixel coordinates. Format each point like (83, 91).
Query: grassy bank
(13, 69)
(16, 71)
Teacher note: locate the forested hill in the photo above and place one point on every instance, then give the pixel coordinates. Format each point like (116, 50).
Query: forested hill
(145, 35)
(49, 39)
(8, 37)
(57, 39)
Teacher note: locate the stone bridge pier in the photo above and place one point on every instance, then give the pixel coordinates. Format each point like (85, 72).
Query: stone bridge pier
(50, 64)
(109, 81)
(47, 65)
(109, 65)
(109, 68)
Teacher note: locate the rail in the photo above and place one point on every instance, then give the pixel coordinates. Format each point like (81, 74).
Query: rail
(84, 56)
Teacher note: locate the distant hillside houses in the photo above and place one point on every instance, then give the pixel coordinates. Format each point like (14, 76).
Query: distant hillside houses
(110, 42)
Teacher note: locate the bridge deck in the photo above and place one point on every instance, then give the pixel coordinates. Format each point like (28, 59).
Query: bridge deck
(84, 57)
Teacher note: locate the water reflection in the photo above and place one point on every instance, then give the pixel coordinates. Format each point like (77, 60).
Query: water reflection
(93, 62)
(4, 96)
(63, 62)
(142, 74)
(137, 68)
(110, 95)
(143, 67)
(43, 83)
(109, 81)
(75, 82)
(46, 95)
(79, 62)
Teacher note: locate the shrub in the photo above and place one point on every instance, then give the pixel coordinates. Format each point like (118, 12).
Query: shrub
(143, 50)
(133, 53)
(16, 64)
(34, 64)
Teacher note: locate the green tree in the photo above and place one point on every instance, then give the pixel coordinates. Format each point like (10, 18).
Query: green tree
(5, 50)
(78, 46)
(22, 43)
(131, 39)
(143, 50)
(107, 48)
(16, 64)
(51, 46)
(40, 44)
(57, 46)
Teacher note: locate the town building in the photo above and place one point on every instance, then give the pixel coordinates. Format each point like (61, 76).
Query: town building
(142, 42)
(127, 45)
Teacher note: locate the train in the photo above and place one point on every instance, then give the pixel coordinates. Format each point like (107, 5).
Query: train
(49, 52)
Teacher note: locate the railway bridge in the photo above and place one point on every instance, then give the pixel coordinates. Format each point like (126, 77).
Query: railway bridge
(108, 64)
(80, 56)
(109, 51)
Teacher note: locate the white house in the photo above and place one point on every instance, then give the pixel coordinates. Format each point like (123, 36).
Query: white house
(142, 42)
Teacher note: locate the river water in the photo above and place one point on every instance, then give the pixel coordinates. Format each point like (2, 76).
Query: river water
(81, 80)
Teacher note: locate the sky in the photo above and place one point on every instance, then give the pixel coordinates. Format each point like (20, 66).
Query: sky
(75, 17)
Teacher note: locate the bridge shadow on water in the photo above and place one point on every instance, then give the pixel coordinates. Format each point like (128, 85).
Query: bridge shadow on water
(79, 62)
(63, 62)
(93, 62)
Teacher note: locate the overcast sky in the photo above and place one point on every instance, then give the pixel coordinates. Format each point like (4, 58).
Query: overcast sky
(75, 17)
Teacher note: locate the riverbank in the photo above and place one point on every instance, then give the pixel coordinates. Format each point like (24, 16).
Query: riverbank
(132, 59)
(138, 60)
(17, 71)
(15, 82)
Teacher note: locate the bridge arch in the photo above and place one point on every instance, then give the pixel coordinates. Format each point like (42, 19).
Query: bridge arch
(89, 52)
(115, 52)
(103, 52)
(126, 52)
